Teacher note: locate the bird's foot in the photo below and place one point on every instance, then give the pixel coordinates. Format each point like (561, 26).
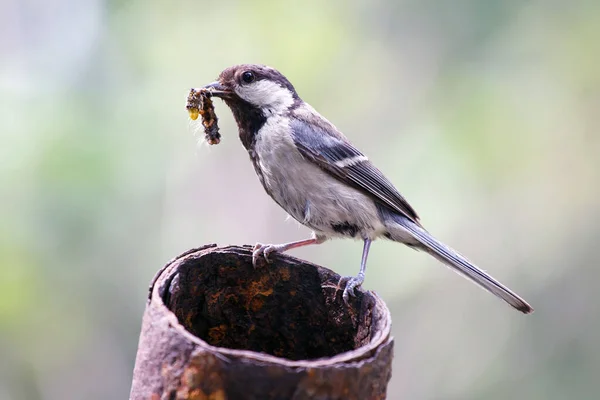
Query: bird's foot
(264, 250)
(353, 282)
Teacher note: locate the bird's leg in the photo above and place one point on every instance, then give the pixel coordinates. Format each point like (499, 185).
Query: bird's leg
(266, 249)
(358, 279)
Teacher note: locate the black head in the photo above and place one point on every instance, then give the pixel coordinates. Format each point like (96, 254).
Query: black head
(255, 86)
(254, 93)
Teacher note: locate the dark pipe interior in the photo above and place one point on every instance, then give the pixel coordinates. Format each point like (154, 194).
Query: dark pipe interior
(280, 309)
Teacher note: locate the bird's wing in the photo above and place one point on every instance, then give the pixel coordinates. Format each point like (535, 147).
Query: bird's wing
(320, 142)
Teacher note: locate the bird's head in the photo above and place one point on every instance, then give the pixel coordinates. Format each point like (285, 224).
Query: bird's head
(249, 88)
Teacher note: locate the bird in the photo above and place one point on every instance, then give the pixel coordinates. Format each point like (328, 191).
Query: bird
(310, 169)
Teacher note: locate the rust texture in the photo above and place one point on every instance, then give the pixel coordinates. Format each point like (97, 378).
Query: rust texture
(215, 327)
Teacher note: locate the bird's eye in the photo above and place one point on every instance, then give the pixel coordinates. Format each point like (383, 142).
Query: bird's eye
(248, 77)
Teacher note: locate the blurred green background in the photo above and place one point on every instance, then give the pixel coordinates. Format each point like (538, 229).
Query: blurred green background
(485, 114)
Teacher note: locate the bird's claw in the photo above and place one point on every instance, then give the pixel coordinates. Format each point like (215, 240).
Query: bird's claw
(353, 282)
(264, 250)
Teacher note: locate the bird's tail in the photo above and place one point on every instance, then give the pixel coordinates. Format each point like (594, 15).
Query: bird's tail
(461, 265)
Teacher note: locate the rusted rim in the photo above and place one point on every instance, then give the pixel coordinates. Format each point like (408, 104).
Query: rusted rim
(165, 275)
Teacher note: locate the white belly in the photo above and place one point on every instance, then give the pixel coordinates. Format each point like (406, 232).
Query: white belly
(311, 196)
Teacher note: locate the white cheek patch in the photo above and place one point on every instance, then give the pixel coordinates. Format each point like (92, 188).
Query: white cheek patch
(268, 95)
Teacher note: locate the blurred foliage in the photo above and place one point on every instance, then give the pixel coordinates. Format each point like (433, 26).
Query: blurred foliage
(489, 106)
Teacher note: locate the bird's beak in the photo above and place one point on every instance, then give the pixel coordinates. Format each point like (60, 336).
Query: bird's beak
(217, 89)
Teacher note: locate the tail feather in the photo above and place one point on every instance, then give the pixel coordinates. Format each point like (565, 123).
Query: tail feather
(463, 266)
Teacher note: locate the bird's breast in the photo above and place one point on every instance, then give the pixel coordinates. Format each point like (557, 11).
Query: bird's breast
(279, 164)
